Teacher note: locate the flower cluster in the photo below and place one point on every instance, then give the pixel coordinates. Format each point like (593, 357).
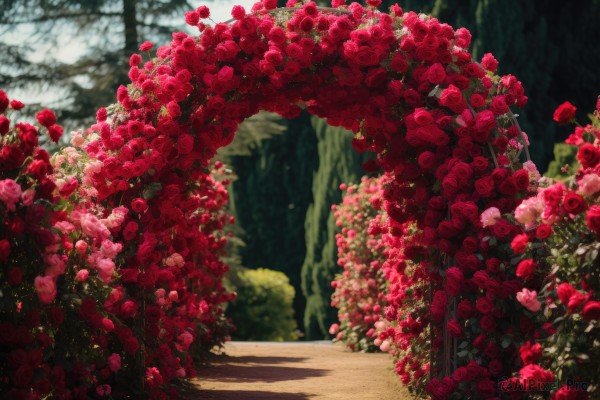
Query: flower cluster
(559, 266)
(360, 289)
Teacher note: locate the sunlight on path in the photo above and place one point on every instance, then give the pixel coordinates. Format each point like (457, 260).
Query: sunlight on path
(297, 371)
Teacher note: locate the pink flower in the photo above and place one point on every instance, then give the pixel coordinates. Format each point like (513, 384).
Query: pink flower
(114, 362)
(92, 227)
(106, 267)
(589, 185)
(528, 299)
(529, 211)
(82, 275)
(490, 216)
(10, 193)
(46, 288)
(185, 340)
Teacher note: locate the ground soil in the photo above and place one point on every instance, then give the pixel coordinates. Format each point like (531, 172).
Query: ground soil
(296, 371)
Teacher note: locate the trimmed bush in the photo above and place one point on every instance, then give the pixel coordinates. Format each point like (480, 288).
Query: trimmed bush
(263, 308)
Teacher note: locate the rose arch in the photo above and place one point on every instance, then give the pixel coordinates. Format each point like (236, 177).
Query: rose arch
(405, 84)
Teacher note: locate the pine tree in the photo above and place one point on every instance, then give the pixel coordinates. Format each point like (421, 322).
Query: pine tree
(113, 31)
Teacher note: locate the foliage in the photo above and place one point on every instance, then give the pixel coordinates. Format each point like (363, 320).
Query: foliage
(337, 163)
(112, 31)
(270, 199)
(564, 162)
(262, 309)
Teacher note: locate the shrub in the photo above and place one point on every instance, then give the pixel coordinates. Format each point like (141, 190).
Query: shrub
(263, 307)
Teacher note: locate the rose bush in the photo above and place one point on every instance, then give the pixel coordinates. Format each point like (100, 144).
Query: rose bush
(562, 229)
(360, 290)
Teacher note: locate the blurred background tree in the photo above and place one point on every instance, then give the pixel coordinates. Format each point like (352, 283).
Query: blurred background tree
(99, 34)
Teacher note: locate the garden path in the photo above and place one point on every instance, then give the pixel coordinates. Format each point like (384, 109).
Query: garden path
(296, 371)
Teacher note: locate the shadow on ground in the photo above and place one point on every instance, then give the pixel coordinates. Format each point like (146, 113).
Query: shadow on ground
(258, 369)
(244, 395)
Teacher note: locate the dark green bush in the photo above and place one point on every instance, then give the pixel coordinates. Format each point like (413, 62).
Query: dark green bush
(263, 307)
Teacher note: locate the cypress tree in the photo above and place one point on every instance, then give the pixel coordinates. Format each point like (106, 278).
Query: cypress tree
(338, 163)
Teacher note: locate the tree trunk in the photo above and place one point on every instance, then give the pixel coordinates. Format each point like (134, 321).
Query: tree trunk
(130, 22)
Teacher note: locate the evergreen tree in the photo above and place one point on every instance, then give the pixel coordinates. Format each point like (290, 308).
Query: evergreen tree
(113, 31)
(271, 197)
(338, 163)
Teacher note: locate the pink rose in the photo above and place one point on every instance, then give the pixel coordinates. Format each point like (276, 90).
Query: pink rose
(106, 267)
(92, 227)
(528, 299)
(490, 216)
(46, 288)
(589, 185)
(529, 211)
(10, 193)
(114, 362)
(82, 275)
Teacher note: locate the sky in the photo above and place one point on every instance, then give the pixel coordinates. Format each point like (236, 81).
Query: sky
(72, 47)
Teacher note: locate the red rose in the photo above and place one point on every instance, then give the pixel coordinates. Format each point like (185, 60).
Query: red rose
(519, 243)
(489, 62)
(436, 73)
(464, 309)
(55, 132)
(4, 125)
(564, 113)
(438, 306)
(573, 203)
(530, 354)
(484, 186)
(426, 160)
(460, 374)
(592, 218)
(452, 98)
(576, 301)
(521, 179)
(487, 323)
(543, 231)
(485, 121)
(128, 309)
(139, 205)
(591, 310)
(564, 292)
(526, 269)
(46, 118)
(3, 101)
(484, 305)
(588, 155)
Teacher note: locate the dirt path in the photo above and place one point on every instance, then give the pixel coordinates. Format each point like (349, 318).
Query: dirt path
(297, 371)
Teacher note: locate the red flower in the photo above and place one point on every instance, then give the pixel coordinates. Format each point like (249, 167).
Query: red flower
(588, 155)
(576, 301)
(46, 118)
(530, 354)
(454, 280)
(3, 101)
(543, 231)
(573, 203)
(526, 269)
(564, 113)
(591, 310)
(4, 125)
(55, 132)
(489, 62)
(519, 243)
(592, 218)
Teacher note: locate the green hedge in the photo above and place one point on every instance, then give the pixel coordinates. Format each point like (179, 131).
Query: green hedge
(263, 307)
